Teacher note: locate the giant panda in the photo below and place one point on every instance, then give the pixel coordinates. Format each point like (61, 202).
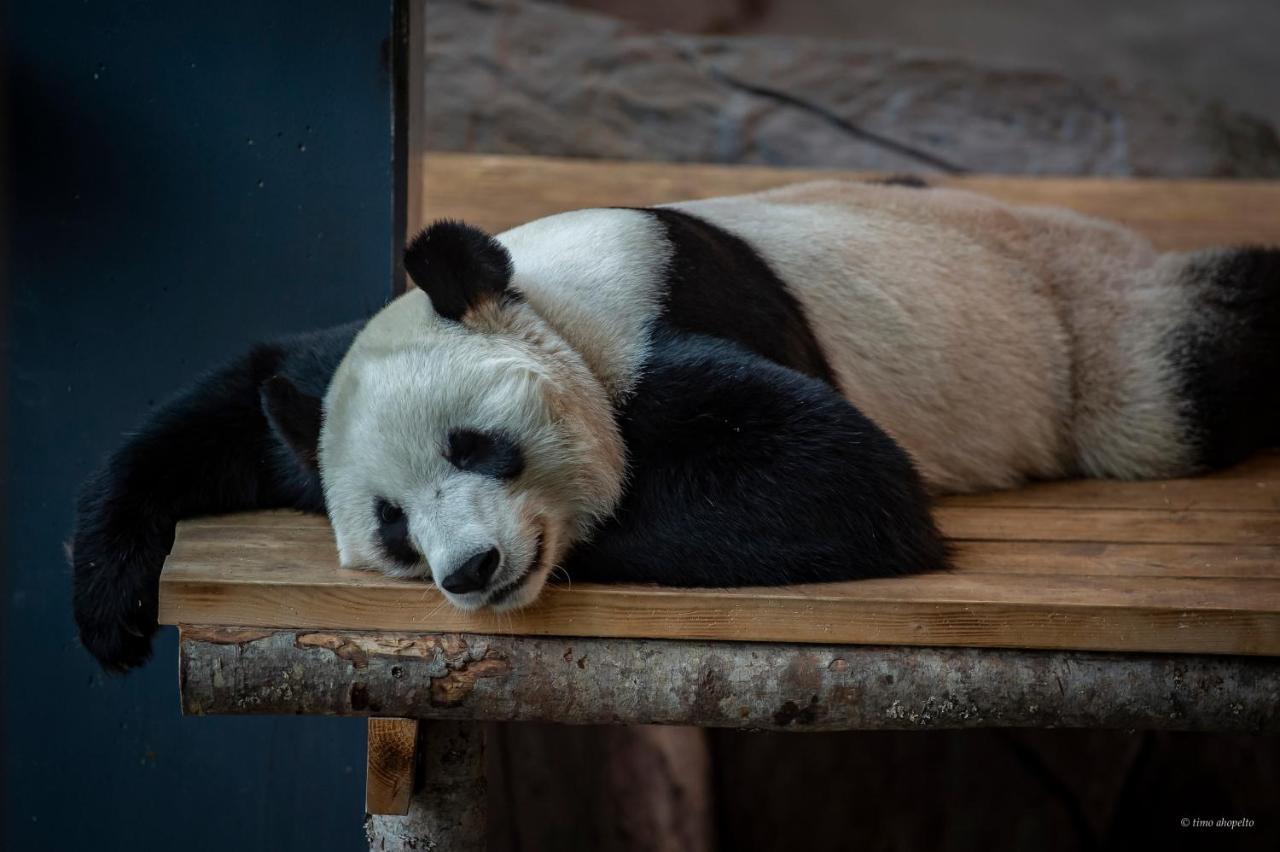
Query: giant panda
(760, 389)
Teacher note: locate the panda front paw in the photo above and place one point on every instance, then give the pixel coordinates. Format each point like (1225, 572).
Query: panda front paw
(116, 574)
(116, 602)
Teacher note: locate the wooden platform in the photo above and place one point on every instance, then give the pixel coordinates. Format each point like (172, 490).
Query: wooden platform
(1184, 566)
(498, 192)
(1181, 566)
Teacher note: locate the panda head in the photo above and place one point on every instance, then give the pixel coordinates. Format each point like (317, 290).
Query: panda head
(462, 438)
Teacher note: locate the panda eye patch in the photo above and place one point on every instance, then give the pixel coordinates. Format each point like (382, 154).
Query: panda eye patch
(486, 453)
(393, 532)
(389, 513)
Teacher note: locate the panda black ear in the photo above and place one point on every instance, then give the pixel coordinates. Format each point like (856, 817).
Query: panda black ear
(457, 266)
(294, 417)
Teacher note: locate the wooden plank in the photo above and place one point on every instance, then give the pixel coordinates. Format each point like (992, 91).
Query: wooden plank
(500, 192)
(1119, 525)
(260, 535)
(281, 547)
(1090, 558)
(234, 558)
(1202, 616)
(357, 600)
(392, 759)
(1185, 565)
(260, 575)
(1253, 486)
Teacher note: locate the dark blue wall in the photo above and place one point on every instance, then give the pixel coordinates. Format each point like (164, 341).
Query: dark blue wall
(187, 177)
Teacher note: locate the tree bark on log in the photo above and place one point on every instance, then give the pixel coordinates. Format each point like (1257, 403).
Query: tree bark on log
(718, 684)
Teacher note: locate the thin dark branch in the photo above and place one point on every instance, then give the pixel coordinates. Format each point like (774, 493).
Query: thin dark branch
(832, 118)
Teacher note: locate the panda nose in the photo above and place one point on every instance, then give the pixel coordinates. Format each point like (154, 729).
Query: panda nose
(474, 574)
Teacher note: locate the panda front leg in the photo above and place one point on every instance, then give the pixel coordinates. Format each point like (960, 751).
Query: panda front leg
(225, 444)
(743, 472)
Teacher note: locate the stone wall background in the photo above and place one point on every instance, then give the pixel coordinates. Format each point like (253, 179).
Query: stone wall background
(526, 77)
(1223, 50)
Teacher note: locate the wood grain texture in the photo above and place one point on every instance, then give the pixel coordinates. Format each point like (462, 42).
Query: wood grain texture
(1030, 572)
(965, 523)
(500, 192)
(392, 759)
(1252, 486)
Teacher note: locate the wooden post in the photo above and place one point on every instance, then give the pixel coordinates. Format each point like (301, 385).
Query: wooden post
(392, 765)
(449, 808)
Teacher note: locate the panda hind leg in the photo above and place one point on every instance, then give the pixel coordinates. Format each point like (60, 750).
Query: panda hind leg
(1227, 353)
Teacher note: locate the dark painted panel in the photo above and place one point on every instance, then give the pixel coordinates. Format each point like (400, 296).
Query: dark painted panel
(187, 177)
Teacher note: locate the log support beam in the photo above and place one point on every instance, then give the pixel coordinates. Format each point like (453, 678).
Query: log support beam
(473, 677)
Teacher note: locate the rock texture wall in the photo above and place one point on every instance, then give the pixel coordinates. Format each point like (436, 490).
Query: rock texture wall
(533, 78)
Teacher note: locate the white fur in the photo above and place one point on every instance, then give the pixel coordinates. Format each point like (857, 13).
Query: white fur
(408, 380)
(596, 276)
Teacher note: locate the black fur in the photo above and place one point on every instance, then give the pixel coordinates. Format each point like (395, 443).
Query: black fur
(457, 266)
(1229, 353)
(743, 472)
(294, 416)
(209, 450)
(485, 453)
(393, 532)
(718, 285)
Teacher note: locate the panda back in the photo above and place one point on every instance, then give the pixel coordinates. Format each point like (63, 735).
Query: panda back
(949, 342)
(901, 298)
